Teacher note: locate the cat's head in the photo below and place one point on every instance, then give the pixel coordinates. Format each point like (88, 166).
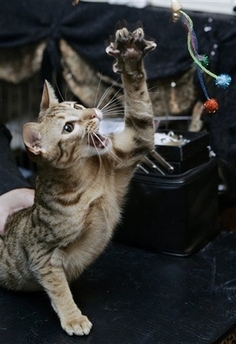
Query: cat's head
(65, 132)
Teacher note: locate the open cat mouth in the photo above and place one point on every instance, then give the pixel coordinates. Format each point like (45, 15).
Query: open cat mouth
(97, 140)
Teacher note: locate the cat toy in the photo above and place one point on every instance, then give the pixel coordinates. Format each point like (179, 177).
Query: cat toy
(75, 2)
(201, 61)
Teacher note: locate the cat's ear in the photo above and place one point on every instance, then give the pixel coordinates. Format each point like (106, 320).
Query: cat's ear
(32, 138)
(48, 97)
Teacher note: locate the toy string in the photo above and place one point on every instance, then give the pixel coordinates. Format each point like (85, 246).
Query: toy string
(203, 86)
(192, 45)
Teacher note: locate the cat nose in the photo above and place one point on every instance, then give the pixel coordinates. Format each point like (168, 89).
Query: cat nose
(93, 113)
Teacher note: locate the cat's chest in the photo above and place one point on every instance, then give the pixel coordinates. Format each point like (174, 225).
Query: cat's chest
(96, 231)
(96, 207)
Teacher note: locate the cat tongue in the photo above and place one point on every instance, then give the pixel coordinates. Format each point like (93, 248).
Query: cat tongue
(98, 141)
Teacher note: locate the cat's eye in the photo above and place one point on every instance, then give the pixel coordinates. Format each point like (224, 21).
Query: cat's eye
(79, 106)
(68, 128)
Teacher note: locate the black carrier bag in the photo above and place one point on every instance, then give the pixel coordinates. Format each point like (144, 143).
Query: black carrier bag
(174, 213)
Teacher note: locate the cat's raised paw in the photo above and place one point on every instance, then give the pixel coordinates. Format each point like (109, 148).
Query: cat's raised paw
(129, 49)
(80, 326)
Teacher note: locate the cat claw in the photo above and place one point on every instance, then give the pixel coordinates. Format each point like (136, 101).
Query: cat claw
(128, 49)
(122, 34)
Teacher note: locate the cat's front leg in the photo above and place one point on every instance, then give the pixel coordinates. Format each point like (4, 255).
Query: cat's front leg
(137, 138)
(57, 288)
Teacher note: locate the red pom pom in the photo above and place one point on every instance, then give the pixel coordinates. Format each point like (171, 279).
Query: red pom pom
(211, 105)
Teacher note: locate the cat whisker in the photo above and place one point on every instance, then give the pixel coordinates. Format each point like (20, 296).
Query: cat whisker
(103, 97)
(112, 104)
(112, 100)
(153, 88)
(96, 97)
(116, 113)
(113, 109)
(106, 93)
(91, 136)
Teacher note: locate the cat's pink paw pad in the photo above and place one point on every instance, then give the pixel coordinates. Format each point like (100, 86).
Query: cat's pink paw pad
(79, 327)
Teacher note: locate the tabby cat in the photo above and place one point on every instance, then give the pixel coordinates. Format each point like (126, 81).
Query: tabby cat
(80, 188)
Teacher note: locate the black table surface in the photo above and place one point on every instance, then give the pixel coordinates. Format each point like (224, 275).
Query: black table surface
(136, 296)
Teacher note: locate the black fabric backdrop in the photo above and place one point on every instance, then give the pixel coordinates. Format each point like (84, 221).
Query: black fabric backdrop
(87, 26)
(10, 176)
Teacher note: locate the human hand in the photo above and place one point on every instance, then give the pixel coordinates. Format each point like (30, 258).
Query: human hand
(13, 201)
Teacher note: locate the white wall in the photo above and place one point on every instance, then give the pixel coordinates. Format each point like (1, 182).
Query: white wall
(214, 6)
